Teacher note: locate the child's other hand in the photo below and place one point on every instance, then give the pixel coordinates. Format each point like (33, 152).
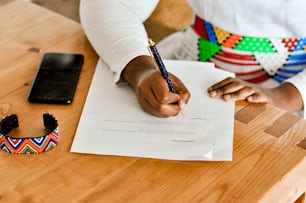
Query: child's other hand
(233, 89)
(285, 96)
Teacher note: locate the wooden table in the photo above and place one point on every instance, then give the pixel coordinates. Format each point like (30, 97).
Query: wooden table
(268, 165)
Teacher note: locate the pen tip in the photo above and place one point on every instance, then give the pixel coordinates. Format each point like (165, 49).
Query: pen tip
(151, 42)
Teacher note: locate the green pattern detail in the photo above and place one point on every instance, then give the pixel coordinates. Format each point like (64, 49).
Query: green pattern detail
(28, 149)
(207, 49)
(50, 146)
(252, 44)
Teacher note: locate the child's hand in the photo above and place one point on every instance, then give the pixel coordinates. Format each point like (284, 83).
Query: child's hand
(285, 96)
(155, 98)
(232, 89)
(152, 90)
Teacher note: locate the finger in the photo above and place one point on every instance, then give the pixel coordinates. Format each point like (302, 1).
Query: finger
(221, 84)
(184, 98)
(258, 98)
(240, 94)
(230, 88)
(163, 95)
(161, 91)
(162, 107)
(160, 110)
(182, 91)
(155, 98)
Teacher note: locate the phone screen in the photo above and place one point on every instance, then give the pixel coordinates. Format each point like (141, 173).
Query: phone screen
(57, 78)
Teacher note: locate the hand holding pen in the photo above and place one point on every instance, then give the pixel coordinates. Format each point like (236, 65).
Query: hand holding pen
(153, 50)
(152, 92)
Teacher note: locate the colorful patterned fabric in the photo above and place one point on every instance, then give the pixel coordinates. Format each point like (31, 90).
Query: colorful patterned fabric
(30, 145)
(250, 58)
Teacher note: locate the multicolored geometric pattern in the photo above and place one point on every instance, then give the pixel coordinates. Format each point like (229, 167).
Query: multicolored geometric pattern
(250, 58)
(32, 145)
(28, 145)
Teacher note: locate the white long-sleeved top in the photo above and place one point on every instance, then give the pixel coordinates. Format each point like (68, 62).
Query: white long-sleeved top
(115, 27)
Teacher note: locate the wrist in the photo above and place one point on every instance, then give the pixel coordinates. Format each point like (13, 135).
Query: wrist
(138, 69)
(287, 97)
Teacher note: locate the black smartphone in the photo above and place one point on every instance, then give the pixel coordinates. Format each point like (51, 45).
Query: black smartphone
(57, 78)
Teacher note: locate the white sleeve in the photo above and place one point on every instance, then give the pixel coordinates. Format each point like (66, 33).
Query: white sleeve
(299, 82)
(115, 29)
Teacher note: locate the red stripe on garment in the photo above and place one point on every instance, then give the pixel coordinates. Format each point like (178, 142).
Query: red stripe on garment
(236, 56)
(257, 79)
(251, 63)
(249, 73)
(242, 73)
(200, 28)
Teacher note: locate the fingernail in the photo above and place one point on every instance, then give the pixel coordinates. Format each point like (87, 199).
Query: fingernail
(182, 105)
(249, 98)
(213, 93)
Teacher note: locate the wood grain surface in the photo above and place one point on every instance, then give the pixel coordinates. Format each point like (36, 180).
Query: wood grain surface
(265, 167)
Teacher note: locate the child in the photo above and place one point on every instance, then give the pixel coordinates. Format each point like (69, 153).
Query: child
(260, 41)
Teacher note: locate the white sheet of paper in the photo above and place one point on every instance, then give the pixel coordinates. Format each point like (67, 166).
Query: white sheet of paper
(113, 123)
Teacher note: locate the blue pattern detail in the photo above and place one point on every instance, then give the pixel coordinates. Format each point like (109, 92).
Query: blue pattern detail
(210, 32)
(300, 44)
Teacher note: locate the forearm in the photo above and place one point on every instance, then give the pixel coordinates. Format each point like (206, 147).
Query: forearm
(115, 29)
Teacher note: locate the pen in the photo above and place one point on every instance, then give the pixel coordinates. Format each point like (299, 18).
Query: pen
(161, 65)
(163, 70)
